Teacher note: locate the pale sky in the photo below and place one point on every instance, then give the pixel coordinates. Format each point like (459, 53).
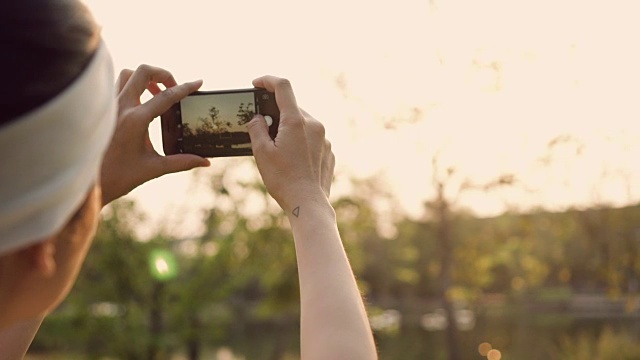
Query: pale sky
(485, 85)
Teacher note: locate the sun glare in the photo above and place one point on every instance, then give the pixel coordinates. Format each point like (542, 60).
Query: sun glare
(485, 86)
(162, 267)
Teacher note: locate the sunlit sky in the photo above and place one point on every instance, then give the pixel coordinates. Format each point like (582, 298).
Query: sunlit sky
(485, 85)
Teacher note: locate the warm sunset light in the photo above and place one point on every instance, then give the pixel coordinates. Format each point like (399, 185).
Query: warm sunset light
(485, 202)
(484, 86)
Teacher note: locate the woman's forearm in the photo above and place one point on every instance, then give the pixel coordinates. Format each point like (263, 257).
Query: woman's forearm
(297, 169)
(334, 320)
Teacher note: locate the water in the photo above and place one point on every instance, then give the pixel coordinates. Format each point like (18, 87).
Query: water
(516, 334)
(522, 336)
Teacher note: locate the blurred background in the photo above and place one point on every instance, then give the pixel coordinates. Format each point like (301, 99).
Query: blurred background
(486, 183)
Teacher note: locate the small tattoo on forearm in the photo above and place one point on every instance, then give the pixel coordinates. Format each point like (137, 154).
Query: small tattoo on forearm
(296, 211)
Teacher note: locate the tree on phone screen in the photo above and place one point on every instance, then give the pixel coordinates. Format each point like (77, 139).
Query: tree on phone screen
(186, 130)
(245, 113)
(212, 124)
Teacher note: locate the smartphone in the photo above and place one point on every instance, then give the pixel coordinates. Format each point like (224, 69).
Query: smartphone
(214, 123)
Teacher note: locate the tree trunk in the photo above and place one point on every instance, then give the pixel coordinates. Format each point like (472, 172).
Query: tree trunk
(193, 343)
(155, 321)
(445, 241)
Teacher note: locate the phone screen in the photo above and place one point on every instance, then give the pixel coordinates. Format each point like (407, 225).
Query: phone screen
(215, 122)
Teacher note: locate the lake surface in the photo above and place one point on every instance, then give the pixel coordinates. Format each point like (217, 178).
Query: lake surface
(521, 337)
(518, 334)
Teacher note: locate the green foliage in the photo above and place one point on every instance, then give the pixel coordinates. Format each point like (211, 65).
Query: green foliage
(240, 276)
(608, 345)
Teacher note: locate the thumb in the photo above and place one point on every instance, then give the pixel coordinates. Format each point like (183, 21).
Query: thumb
(259, 132)
(181, 162)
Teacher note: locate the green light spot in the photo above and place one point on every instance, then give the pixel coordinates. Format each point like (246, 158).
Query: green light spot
(162, 265)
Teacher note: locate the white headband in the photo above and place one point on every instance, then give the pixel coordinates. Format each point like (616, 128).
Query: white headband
(51, 156)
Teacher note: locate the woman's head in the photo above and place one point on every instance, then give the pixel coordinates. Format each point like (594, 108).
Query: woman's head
(46, 45)
(56, 119)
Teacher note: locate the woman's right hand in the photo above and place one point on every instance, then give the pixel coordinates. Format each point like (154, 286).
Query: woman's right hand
(297, 166)
(130, 160)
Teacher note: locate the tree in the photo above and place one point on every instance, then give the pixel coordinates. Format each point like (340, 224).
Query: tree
(212, 124)
(187, 131)
(115, 276)
(245, 113)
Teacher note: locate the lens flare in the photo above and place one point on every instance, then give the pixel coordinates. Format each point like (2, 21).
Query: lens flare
(484, 348)
(162, 265)
(494, 355)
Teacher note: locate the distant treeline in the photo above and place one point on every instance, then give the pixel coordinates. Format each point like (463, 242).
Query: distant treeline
(241, 272)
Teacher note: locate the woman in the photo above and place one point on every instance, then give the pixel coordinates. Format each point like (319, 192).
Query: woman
(70, 146)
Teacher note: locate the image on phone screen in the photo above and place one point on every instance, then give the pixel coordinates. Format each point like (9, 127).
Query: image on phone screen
(215, 122)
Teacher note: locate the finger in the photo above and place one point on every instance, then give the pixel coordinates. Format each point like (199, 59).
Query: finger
(285, 97)
(153, 88)
(160, 103)
(139, 81)
(180, 162)
(123, 78)
(259, 134)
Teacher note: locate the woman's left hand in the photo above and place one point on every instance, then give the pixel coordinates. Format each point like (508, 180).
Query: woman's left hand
(130, 159)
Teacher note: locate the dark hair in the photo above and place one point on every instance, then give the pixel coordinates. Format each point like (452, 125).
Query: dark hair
(45, 45)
